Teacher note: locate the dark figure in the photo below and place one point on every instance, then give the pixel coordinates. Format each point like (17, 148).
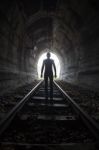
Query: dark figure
(48, 74)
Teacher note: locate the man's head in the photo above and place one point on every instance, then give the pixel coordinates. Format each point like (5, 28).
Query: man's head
(48, 55)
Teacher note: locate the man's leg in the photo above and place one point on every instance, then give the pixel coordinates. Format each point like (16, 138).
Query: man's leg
(46, 86)
(51, 86)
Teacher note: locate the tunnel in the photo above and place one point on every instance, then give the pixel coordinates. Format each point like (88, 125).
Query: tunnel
(67, 28)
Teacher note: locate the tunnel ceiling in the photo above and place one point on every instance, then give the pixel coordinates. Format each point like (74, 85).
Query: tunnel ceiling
(48, 20)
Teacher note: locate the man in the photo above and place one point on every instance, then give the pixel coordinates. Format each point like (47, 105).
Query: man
(48, 64)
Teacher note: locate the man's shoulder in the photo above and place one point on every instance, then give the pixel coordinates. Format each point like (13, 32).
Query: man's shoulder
(44, 60)
(48, 60)
(52, 60)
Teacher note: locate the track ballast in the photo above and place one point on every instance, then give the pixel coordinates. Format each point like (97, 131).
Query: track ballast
(58, 123)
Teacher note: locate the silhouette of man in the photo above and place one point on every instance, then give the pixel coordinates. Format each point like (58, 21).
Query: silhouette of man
(48, 74)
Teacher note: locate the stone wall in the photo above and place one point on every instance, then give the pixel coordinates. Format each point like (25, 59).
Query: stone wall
(14, 69)
(82, 54)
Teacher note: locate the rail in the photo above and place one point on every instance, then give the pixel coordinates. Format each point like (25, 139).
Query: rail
(8, 118)
(90, 123)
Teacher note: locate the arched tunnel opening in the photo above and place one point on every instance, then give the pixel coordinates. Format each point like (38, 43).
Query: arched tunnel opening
(69, 29)
(56, 61)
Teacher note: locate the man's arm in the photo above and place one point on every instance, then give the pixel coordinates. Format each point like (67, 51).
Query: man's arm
(54, 69)
(42, 69)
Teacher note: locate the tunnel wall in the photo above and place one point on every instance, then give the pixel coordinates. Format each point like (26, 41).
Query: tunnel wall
(89, 54)
(80, 48)
(14, 61)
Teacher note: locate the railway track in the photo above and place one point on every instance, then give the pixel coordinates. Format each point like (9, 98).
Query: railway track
(48, 124)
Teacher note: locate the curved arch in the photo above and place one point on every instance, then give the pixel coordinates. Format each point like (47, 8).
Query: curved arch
(56, 60)
(44, 14)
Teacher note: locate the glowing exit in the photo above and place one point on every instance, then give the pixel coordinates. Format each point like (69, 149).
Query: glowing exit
(56, 60)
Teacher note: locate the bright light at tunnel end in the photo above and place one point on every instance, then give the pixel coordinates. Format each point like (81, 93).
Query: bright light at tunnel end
(57, 63)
